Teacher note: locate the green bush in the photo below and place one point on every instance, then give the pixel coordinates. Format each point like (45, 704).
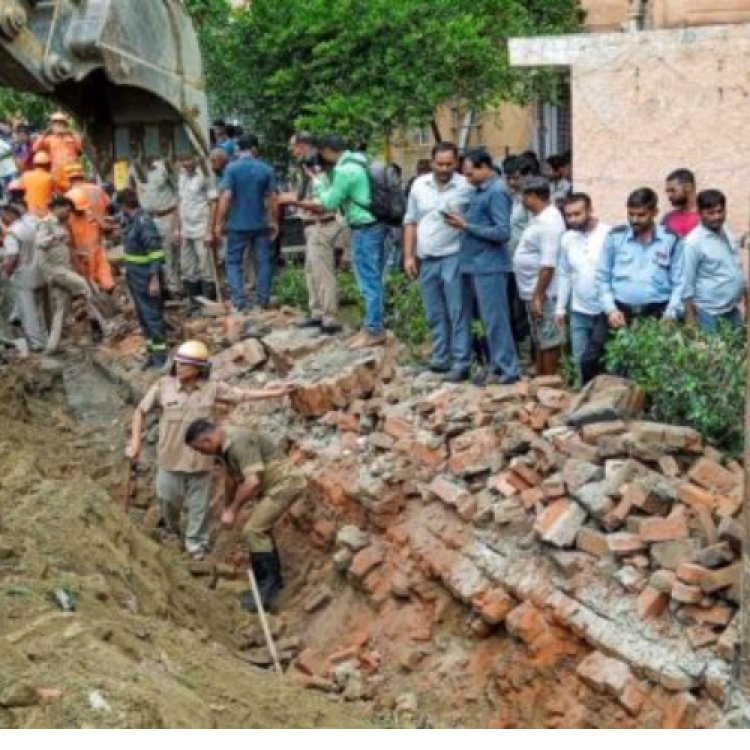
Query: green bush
(290, 287)
(689, 377)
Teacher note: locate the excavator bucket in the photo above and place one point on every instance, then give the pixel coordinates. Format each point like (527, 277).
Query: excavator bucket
(129, 70)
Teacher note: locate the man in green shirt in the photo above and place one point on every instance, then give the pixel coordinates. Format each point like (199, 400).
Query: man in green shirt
(349, 191)
(255, 467)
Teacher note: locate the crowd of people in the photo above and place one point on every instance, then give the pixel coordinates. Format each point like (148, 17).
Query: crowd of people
(509, 243)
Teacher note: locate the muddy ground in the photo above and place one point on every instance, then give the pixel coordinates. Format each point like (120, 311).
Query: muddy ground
(148, 644)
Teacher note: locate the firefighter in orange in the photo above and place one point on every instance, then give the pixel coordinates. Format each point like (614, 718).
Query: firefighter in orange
(62, 145)
(98, 199)
(89, 257)
(16, 191)
(38, 184)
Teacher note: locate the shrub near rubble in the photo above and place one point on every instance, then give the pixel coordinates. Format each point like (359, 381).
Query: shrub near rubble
(689, 377)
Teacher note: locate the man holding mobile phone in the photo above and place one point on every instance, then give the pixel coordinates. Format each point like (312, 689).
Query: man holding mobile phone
(431, 248)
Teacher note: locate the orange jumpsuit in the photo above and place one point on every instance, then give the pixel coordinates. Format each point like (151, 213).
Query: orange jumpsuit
(39, 186)
(89, 257)
(63, 149)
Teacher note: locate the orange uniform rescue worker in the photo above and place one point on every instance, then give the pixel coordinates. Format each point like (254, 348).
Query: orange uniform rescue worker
(38, 184)
(63, 147)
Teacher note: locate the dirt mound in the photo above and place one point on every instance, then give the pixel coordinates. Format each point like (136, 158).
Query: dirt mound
(147, 644)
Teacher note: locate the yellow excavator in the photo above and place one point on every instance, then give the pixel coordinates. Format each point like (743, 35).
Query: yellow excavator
(130, 72)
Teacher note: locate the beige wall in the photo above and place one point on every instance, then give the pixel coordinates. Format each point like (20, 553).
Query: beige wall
(672, 13)
(676, 99)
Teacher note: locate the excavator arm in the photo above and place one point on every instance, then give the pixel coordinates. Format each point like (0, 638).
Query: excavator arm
(129, 70)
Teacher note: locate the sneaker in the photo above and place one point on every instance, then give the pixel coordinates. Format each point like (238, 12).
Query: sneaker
(368, 340)
(309, 323)
(439, 369)
(494, 379)
(456, 376)
(198, 555)
(480, 379)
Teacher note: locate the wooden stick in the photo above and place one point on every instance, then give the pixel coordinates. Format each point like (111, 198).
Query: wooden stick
(264, 622)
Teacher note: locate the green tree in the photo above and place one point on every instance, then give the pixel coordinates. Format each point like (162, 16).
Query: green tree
(366, 68)
(27, 107)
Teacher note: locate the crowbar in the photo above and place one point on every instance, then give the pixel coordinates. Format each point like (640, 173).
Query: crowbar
(264, 622)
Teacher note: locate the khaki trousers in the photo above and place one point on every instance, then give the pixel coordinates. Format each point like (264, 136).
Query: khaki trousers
(166, 226)
(320, 270)
(281, 487)
(194, 264)
(173, 488)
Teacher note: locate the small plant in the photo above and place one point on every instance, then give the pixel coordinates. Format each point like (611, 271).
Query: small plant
(290, 287)
(689, 377)
(404, 313)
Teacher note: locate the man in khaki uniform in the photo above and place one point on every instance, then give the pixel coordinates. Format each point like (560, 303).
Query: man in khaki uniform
(184, 475)
(255, 467)
(322, 231)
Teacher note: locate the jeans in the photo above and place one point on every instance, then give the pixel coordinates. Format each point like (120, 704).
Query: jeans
(491, 291)
(149, 310)
(368, 260)
(448, 314)
(581, 328)
(710, 323)
(237, 243)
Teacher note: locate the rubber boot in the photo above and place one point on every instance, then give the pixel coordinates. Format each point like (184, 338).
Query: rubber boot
(268, 577)
(191, 290)
(209, 290)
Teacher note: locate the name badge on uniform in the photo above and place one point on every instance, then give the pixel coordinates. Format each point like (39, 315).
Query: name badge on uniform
(662, 257)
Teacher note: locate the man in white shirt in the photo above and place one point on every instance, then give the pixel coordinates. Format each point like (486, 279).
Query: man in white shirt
(431, 249)
(197, 194)
(577, 292)
(534, 264)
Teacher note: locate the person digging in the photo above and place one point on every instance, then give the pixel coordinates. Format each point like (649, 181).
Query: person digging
(256, 469)
(183, 476)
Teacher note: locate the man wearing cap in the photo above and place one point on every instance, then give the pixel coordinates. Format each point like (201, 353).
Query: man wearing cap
(256, 469)
(63, 147)
(144, 274)
(19, 264)
(184, 396)
(38, 184)
(89, 258)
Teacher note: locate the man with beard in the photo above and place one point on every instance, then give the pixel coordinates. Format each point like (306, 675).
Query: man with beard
(431, 250)
(577, 296)
(713, 281)
(680, 190)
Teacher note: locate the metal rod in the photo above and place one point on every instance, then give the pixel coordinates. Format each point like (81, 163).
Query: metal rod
(264, 622)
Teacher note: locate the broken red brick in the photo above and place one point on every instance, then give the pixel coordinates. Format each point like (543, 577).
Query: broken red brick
(560, 522)
(398, 427)
(701, 636)
(592, 432)
(652, 602)
(713, 476)
(679, 711)
(722, 578)
(633, 697)
(526, 474)
(623, 543)
(526, 622)
(366, 560)
(692, 573)
(493, 605)
(506, 483)
(668, 529)
(531, 497)
(683, 592)
(592, 541)
(449, 492)
(695, 497)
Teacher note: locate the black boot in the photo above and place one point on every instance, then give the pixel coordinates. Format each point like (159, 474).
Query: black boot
(267, 569)
(191, 290)
(209, 290)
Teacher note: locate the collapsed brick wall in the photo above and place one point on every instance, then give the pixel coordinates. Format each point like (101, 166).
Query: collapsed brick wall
(601, 544)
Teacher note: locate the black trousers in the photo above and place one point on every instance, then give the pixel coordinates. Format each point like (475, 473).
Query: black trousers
(592, 361)
(150, 310)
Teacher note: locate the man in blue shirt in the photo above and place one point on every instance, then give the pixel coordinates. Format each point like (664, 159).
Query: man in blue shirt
(485, 261)
(640, 267)
(713, 279)
(248, 206)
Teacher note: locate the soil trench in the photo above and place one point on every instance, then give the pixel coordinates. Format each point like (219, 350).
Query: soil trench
(411, 598)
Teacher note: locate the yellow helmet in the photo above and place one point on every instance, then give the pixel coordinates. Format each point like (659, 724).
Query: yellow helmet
(192, 353)
(79, 199)
(74, 169)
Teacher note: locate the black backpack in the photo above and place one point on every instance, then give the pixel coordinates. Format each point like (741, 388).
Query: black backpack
(387, 199)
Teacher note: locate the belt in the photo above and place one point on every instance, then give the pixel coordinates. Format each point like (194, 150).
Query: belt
(365, 226)
(142, 260)
(165, 212)
(650, 308)
(324, 220)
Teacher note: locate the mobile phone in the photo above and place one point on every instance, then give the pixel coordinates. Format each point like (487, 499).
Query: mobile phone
(444, 212)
